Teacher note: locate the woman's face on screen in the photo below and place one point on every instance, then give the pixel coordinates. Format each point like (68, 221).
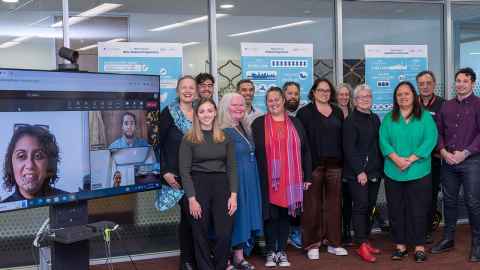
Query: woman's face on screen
(30, 164)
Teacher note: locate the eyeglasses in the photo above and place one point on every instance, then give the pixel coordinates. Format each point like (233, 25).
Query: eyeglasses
(364, 97)
(323, 91)
(21, 125)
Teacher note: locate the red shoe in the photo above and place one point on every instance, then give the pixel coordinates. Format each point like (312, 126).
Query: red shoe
(372, 249)
(365, 254)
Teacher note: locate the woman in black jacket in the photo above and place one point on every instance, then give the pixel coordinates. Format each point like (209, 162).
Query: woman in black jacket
(175, 121)
(284, 165)
(363, 166)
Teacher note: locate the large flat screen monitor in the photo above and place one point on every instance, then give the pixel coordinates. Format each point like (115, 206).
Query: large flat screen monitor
(69, 136)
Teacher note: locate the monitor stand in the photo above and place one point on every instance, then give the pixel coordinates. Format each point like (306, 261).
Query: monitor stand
(74, 256)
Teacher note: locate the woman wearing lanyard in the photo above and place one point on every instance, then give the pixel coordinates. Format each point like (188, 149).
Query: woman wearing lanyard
(284, 164)
(407, 137)
(248, 221)
(174, 122)
(208, 171)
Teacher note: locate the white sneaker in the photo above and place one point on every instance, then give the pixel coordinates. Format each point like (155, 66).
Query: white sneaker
(313, 254)
(271, 259)
(338, 251)
(282, 259)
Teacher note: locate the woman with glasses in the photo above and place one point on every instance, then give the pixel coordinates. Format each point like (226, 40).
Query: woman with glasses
(363, 166)
(321, 219)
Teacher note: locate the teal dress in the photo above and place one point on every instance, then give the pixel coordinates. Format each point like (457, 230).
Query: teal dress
(248, 217)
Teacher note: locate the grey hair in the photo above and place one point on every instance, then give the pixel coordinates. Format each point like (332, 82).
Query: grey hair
(359, 88)
(224, 118)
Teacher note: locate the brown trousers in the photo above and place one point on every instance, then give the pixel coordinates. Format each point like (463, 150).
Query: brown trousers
(321, 218)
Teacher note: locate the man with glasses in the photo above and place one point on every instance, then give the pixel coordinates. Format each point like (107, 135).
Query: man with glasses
(426, 84)
(459, 143)
(205, 84)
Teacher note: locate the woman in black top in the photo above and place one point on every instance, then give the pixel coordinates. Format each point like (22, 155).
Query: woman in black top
(209, 174)
(363, 166)
(323, 123)
(175, 120)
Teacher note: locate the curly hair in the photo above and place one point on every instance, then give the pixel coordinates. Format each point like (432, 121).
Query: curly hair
(47, 143)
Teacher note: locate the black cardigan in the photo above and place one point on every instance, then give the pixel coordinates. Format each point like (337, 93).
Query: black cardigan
(360, 140)
(170, 138)
(258, 133)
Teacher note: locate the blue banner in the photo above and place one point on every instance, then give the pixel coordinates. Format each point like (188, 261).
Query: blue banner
(388, 65)
(273, 64)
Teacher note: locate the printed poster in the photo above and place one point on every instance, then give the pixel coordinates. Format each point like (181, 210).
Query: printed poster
(388, 65)
(273, 64)
(164, 59)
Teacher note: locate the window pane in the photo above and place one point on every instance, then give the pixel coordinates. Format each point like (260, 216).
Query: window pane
(391, 24)
(466, 32)
(27, 39)
(300, 21)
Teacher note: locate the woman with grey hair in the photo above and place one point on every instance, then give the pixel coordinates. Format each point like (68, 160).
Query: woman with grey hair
(363, 165)
(248, 218)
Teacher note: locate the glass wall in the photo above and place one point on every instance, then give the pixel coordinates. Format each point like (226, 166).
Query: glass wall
(27, 39)
(466, 32)
(30, 36)
(273, 21)
(391, 24)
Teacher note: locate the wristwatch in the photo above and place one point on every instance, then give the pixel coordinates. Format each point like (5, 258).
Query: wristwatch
(466, 153)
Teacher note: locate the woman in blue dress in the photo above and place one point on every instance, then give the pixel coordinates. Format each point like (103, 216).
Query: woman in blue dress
(248, 218)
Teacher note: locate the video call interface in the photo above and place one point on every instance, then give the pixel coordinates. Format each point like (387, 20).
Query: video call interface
(69, 136)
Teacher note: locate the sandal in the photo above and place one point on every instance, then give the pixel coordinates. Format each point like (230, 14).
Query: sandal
(243, 265)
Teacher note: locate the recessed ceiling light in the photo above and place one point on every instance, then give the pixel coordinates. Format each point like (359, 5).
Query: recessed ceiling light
(227, 6)
(10, 1)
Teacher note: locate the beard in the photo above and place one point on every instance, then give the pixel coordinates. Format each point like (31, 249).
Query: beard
(292, 105)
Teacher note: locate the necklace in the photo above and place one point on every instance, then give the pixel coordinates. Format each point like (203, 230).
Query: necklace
(250, 144)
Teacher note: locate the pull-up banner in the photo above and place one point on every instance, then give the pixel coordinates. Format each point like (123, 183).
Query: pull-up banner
(388, 65)
(273, 64)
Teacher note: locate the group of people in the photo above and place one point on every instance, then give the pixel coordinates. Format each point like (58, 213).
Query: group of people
(300, 170)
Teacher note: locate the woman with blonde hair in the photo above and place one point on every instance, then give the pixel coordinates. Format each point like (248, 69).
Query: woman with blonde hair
(209, 175)
(248, 221)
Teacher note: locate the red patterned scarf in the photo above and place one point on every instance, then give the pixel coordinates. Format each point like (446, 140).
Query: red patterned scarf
(294, 169)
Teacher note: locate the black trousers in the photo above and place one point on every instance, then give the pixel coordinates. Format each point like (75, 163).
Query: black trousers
(212, 193)
(277, 229)
(346, 210)
(364, 200)
(408, 205)
(436, 180)
(185, 235)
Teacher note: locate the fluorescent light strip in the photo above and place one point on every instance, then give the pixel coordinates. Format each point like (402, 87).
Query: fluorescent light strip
(98, 10)
(184, 23)
(190, 43)
(475, 53)
(14, 42)
(86, 48)
(272, 28)
(8, 44)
